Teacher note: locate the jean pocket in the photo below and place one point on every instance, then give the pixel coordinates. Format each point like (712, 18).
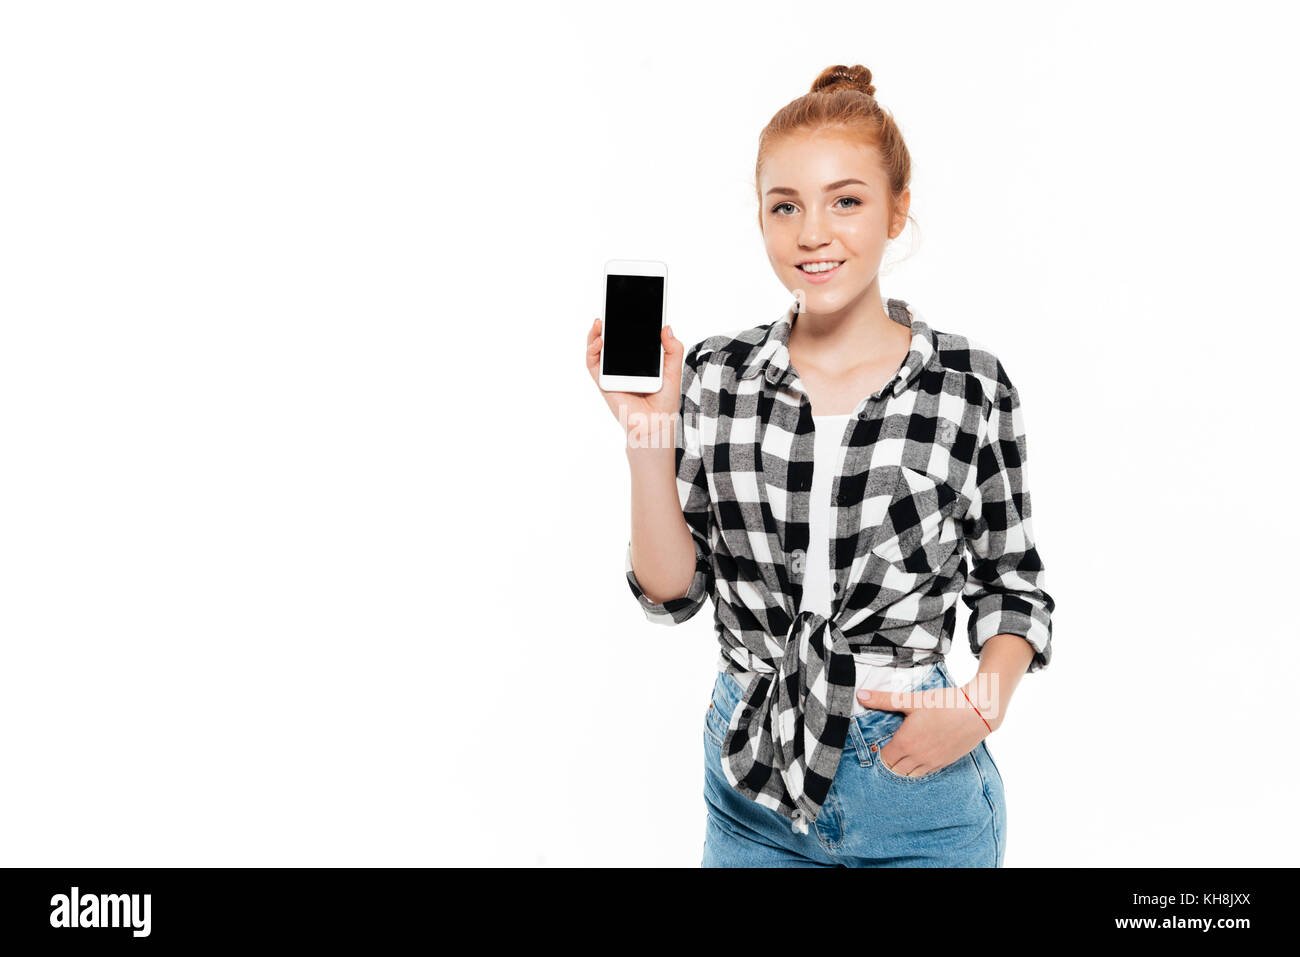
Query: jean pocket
(877, 728)
(893, 775)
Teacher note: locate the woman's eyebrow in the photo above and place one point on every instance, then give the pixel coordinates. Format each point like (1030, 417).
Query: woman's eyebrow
(838, 184)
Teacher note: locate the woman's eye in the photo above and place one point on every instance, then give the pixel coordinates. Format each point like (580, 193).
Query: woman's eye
(856, 202)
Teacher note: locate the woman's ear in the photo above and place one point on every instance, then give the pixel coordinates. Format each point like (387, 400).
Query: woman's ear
(900, 214)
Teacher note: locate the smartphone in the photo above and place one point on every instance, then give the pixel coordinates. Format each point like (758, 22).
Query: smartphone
(631, 353)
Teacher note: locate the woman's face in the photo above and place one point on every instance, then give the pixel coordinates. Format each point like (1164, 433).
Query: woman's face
(824, 197)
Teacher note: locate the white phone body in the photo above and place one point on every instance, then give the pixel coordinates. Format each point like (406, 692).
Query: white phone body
(636, 304)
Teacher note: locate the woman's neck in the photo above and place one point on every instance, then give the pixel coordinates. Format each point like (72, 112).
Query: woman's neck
(838, 343)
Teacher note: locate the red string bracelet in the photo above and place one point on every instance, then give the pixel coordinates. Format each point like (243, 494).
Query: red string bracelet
(977, 710)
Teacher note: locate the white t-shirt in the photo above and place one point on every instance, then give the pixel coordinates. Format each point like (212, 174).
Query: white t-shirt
(876, 670)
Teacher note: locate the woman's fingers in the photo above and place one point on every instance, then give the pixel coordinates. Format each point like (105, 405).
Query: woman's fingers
(593, 350)
(882, 700)
(903, 766)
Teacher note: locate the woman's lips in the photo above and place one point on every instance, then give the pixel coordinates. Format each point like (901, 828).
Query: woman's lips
(820, 277)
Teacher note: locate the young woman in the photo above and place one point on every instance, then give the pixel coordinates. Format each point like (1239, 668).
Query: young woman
(829, 476)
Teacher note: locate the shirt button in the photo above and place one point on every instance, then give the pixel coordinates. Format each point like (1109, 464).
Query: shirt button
(836, 586)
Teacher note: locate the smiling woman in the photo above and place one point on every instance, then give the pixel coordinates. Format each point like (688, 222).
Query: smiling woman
(832, 162)
(845, 474)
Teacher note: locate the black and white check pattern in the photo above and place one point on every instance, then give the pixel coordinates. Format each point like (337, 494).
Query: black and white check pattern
(934, 468)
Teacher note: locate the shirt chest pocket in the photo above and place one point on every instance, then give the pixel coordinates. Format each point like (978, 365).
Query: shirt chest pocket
(919, 533)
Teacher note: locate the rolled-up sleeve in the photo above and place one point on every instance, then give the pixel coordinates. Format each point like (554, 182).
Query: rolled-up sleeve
(693, 492)
(1006, 587)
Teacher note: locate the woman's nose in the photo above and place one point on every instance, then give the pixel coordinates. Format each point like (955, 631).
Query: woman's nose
(813, 233)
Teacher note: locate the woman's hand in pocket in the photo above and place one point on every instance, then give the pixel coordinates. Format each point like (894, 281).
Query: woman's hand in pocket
(938, 728)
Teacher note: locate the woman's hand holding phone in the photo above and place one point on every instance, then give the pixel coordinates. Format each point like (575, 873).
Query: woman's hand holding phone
(642, 415)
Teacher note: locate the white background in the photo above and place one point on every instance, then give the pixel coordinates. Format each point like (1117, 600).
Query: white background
(313, 522)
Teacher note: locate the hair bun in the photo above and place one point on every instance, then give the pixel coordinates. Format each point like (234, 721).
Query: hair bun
(844, 77)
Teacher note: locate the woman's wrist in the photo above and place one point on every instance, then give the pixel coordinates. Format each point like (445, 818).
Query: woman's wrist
(982, 716)
(1004, 659)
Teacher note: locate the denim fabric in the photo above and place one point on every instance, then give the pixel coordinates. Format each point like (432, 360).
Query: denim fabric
(872, 817)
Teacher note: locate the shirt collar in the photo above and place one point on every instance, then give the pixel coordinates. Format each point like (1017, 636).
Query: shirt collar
(773, 354)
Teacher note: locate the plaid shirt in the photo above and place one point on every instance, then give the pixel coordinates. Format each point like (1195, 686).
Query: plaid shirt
(933, 461)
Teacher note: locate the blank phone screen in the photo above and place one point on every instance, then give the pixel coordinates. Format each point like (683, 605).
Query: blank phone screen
(634, 309)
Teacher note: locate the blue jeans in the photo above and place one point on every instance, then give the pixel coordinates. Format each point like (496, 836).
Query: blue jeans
(953, 817)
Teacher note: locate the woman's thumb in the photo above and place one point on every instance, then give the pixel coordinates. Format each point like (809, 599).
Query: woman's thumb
(674, 354)
(672, 345)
